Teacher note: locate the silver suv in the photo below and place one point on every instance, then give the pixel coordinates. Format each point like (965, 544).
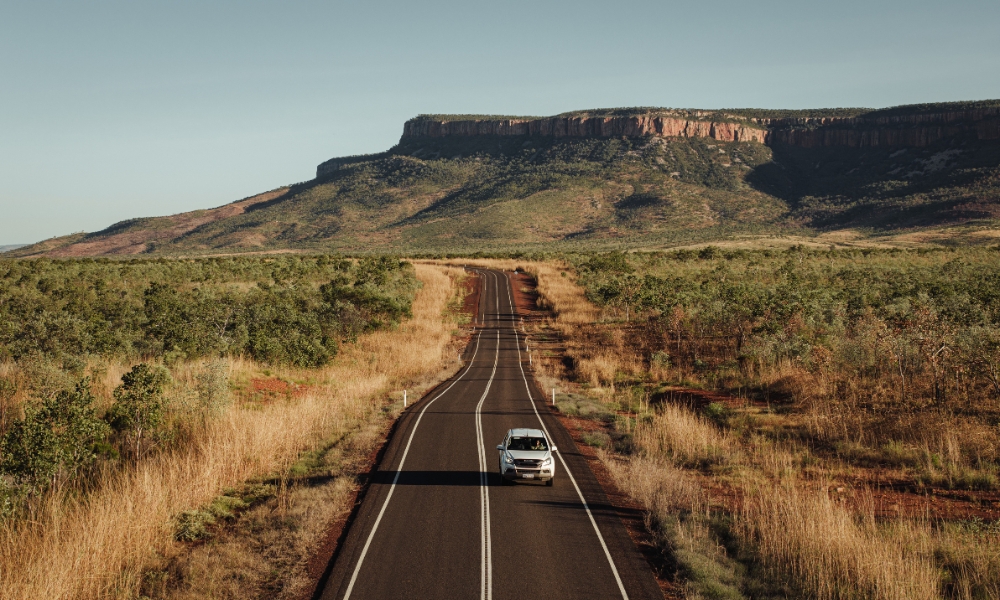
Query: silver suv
(526, 454)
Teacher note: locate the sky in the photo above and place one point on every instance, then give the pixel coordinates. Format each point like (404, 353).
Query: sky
(116, 110)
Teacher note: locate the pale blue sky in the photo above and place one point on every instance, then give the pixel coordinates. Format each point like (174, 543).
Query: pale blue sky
(112, 110)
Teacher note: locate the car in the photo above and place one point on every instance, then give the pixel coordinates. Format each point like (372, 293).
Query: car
(526, 455)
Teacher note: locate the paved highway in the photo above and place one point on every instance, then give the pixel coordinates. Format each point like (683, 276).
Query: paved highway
(436, 523)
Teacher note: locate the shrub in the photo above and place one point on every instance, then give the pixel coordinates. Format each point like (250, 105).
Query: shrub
(213, 387)
(660, 359)
(718, 412)
(138, 407)
(56, 439)
(192, 525)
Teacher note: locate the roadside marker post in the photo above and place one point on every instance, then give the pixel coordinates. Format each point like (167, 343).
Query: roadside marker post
(553, 396)
(404, 398)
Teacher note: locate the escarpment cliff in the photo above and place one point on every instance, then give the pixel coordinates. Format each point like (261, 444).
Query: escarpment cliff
(561, 127)
(875, 129)
(918, 127)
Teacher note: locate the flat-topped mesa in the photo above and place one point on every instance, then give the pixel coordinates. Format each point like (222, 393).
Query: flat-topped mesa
(561, 127)
(915, 126)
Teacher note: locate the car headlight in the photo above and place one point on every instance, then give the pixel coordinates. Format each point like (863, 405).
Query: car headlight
(547, 462)
(507, 458)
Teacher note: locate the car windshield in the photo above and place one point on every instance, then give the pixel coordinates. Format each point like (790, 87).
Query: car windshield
(527, 444)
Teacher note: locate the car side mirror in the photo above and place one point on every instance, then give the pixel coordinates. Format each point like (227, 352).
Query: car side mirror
(554, 449)
(500, 447)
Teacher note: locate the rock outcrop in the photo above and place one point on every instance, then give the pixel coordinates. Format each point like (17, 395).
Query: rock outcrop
(868, 130)
(561, 127)
(915, 130)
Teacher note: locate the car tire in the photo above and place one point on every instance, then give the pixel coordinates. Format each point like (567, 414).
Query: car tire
(549, 482)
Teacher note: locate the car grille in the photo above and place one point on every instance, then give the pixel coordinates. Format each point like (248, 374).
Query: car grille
(527, 462)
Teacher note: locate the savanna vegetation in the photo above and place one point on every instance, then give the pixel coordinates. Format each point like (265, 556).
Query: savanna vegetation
(292, 310)
(797, 423)
(145, 404)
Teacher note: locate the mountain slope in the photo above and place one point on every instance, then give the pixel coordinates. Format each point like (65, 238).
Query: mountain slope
(617, 177)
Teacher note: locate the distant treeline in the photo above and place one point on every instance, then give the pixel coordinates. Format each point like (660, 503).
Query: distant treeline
(290, 310)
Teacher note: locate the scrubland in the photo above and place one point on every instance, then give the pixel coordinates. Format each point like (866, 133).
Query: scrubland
(182, 444)
(797, 424)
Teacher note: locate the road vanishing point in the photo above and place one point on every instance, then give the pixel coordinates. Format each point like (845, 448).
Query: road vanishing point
(436, 521)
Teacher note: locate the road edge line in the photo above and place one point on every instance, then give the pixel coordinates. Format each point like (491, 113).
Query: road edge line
(586, 506)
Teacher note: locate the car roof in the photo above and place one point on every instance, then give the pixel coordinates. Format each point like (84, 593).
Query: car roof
(524, 432)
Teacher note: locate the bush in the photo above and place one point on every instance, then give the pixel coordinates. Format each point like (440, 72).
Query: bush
(138, 407)
(56, 439)
(718, 412)
(212, 385)
(192, 525)
(660, 359)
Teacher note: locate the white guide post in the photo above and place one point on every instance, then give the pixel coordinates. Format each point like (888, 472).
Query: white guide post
(404, 398)
(553, 396)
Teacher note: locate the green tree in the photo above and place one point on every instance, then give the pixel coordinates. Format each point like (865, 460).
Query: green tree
(56, 439)
(138, 407)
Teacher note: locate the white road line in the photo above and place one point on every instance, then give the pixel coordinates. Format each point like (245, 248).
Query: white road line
(572, 479)
(486, 547)
(486, 592)
(399, 469)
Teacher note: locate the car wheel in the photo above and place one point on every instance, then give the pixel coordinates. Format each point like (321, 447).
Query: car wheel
(549, 482)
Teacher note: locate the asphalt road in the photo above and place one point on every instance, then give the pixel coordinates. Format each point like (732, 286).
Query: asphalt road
(436, 523)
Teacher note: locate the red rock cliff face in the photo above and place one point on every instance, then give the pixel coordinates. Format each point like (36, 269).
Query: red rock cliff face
(866, 131)
(560, 127)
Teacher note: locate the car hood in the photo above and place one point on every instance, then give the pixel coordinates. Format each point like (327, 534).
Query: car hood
(529, 454)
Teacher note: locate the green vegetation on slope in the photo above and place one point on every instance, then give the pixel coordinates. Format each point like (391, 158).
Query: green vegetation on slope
(486, 193)
(478, 194)
(886, 189)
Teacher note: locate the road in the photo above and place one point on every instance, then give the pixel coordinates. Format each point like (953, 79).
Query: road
(436, 523)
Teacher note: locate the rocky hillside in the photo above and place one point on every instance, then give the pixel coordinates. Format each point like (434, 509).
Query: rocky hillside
(613, 178)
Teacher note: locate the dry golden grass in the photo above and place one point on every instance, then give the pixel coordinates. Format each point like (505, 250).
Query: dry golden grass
(685, 438)
(830, 551)
(970, 553)
(96, 546)
(557, 287)
(824, 548)
(558, 291)
(239, 559)
(657, 484)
